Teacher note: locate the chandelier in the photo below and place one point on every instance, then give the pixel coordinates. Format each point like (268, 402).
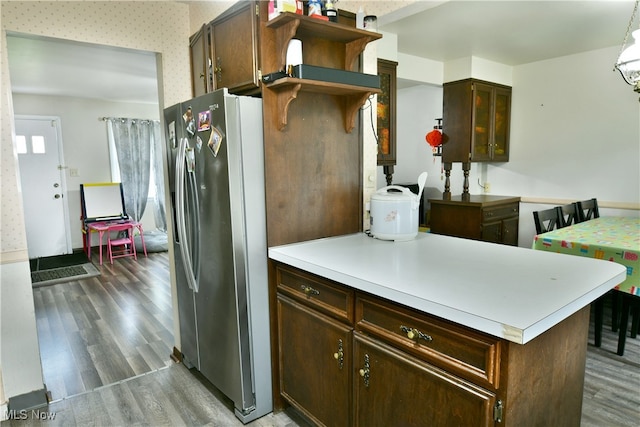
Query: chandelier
(629, 59)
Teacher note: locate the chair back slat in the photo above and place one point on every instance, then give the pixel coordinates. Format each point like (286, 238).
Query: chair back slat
(588, 209)
(548, 219)
(570, 214)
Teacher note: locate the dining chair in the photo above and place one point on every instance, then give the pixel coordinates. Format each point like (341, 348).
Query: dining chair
(548, 219)
(120, 241)
(570, 214)
(588, 209)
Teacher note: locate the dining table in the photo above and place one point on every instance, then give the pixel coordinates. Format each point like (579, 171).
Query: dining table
(611, 238)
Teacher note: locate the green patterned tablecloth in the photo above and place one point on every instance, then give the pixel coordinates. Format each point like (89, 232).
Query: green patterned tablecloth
(611, 238)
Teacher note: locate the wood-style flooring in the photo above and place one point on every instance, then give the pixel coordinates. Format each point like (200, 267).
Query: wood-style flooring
(106, 341)
(105, 329)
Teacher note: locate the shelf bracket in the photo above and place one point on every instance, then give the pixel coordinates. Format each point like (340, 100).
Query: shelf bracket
(285, 96)
(284, 34)
(351, 105)
(353, 50)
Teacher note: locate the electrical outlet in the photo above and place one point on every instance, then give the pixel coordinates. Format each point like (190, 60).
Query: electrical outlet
(73, 172)
(487, 187)
(370, 179)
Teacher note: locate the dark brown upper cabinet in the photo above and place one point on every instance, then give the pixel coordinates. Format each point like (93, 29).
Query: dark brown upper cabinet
(386, 113)
(225, 52)
(476, 121)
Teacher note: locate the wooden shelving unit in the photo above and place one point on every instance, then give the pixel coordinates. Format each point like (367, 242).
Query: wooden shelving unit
(289, 25)
(353, 97)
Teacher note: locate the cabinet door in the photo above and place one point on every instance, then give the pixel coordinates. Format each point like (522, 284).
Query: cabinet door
(482, 122)
(315, 363)
(492, 232)
(501, 115)
(394, 389)
(510, 231)
(201, 69)
(235, 49)
(386, 113)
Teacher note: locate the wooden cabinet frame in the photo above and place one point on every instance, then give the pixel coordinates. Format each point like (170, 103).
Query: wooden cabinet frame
(386, 114)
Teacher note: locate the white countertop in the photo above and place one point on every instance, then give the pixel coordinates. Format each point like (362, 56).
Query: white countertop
(509, 292)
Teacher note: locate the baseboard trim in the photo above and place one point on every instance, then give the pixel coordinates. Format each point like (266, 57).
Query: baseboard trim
(601, 203)
(29, 401)
(176, 356)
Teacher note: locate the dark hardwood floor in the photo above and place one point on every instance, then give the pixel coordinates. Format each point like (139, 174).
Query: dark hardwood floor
(105, 329)
(106, 341)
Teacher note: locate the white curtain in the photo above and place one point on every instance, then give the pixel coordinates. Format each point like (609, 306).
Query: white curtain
(136, 161)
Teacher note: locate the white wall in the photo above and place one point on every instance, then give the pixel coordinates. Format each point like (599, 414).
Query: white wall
(575, 134)
(84, 140)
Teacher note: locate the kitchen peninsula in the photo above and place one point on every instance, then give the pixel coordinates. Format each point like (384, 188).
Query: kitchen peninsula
(434, 331)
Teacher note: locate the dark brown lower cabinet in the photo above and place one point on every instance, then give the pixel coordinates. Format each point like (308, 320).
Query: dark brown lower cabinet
(393, 389)
(312, 378)
(348, 358)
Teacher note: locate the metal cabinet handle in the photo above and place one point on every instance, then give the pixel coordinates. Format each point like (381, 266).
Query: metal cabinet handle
(309, 290)
(364, 372)
(413, 333)
(339, 355)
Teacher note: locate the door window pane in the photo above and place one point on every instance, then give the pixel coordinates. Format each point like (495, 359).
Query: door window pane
(21, 144)
(37, 144)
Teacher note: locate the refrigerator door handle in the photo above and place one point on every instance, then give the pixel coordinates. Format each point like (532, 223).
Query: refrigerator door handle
(180, 213)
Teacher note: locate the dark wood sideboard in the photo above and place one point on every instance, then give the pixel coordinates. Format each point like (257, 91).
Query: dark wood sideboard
(480, 217)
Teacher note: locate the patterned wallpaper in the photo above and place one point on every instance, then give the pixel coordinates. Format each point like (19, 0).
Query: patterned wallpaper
(161, 27)
(156, 26)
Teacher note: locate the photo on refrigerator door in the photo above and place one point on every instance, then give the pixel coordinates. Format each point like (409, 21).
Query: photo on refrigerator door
(215, 140)
(204, 120)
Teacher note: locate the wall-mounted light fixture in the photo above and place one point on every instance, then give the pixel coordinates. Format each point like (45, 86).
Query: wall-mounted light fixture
(629, 59)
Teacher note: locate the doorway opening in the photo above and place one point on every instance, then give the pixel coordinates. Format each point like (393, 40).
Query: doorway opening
(117, 325)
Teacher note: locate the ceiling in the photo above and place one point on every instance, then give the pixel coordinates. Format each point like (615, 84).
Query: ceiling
(511, 32)
(46, 66)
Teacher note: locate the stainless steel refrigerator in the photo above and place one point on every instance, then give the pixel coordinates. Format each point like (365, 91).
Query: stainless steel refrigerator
(216, 176)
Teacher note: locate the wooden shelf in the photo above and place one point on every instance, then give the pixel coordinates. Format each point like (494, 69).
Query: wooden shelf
(353, 97)
(289, 25)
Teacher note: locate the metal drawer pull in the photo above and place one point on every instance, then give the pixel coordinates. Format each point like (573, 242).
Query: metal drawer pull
(364, 372)
(339, 355)
(413, 333)
(309, 290)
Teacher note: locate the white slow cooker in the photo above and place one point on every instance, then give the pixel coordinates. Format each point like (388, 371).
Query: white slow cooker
(394, 212)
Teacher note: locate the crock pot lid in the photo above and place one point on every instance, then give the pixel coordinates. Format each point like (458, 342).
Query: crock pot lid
(392, 196)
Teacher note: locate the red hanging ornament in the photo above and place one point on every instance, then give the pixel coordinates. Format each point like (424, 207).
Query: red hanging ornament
(434, 138)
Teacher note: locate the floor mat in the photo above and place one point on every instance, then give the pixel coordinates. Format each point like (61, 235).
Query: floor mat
(57, 261)
(63, 274)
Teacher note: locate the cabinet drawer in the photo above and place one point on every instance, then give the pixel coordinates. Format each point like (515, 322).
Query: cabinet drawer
(499, 212)
(319, 293)
(468, 353)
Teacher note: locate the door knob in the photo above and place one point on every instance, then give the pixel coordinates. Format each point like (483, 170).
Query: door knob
(57, 196)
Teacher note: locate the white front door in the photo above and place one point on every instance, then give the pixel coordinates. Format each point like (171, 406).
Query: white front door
(44, 195)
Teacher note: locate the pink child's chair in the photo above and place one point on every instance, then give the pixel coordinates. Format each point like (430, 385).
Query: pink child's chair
(120, 241)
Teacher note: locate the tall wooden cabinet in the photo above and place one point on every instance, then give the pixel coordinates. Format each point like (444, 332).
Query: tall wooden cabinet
(476, 126)
(313, 175)
(225, 52)
(312, 131)
(476, 119)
